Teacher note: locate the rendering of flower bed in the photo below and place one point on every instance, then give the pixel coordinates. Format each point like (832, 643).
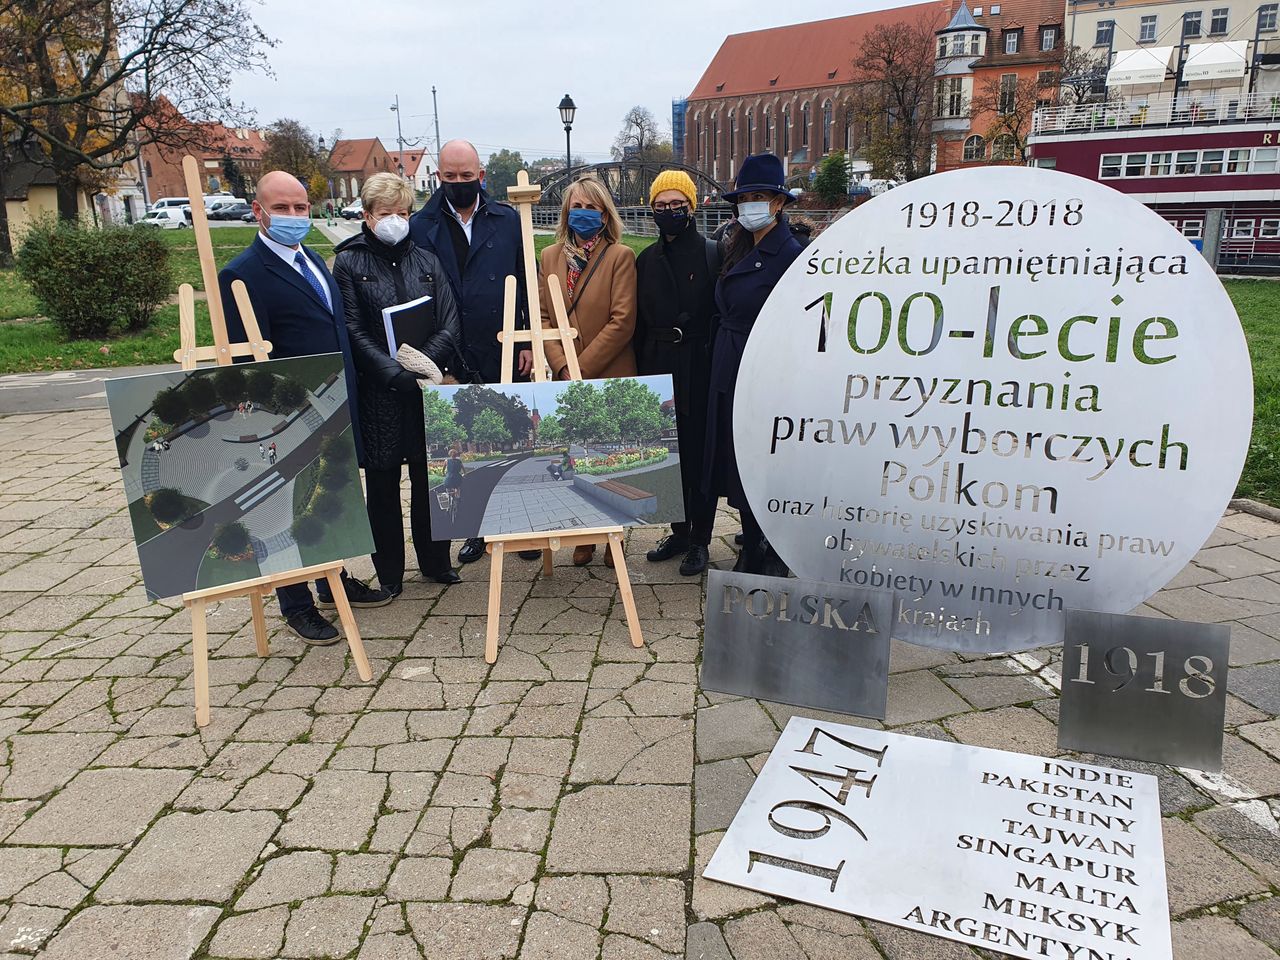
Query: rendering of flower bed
(629, 459)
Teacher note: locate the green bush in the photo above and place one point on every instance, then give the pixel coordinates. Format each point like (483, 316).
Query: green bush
(328, 504)
(338, 449)
(199, 393)
(230, 384)
(334, 475)
(261, 385)
(171, 406)
(308, 529)
(167, 505)
(232, 539)
(95, 283)
(289, 394)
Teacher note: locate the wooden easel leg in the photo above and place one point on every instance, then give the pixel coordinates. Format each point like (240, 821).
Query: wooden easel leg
(259, 624)
(624, 588)
(200, 655)
(348, 621)
(495, 602)
(547, 565)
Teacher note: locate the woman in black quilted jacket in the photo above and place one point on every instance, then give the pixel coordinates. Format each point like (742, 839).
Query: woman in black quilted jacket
(381, 267)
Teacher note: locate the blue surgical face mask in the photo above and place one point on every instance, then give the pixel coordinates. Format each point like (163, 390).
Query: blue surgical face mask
(585, 223)
(755, 215)
(287, 229)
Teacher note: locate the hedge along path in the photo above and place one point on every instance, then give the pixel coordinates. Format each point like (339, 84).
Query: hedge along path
(222, 352)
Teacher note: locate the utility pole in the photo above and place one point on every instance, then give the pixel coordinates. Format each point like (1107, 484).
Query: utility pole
(435, 113)
(395, 108)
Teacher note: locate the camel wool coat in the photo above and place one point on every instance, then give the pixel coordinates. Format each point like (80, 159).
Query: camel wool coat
(605, 315)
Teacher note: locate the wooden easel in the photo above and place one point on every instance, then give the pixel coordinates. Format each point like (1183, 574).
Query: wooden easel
(222, 352)
(524, 195)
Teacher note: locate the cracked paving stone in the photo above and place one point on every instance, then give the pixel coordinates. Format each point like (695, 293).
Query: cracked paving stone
(337, 813)
(550, 937)
(420, 878)
(155, 932)
(516, 829)
(326, 927)
(45, 761)
(466, 931)
(188, 857)
(713, 900)
(102, 807)
(580, 898)
(621, 829)
(648, 908)
(25, 928)
(251, 936)
(1212, 938)
(740, 728)
(718, 791)
(295, 876)
(488, 874)
(1199, 873)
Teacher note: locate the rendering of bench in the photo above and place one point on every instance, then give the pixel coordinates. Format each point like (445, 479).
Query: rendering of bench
(614, 493)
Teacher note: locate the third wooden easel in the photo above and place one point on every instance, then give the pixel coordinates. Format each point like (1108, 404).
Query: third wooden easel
(222, 352)
(524, 195)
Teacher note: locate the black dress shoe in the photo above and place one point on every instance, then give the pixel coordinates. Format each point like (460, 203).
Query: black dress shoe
(668, 547)
(772, 565)
(748, 558)
(393, 589)
(447, 577)
(312, 628)
(472, 550)
(695, 561)
(530, 554)
(359, 594)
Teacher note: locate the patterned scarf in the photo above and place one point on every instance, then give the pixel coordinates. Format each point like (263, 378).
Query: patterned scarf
(576, 257)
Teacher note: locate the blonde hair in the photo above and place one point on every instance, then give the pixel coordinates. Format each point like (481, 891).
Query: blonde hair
(595, 192)
(386, 188)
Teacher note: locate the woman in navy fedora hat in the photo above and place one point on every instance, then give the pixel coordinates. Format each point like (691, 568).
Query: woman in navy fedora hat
(759, 249)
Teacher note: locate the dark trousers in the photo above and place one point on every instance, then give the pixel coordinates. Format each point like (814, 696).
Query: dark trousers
(700, 516)
(386, 519)
(752, 534)
(297, 596)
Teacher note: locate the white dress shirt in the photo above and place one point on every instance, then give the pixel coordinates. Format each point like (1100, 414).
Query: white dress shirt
(466, 224)
(289, 256)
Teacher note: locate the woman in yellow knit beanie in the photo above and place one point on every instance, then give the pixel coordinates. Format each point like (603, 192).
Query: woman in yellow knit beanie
(675, 300)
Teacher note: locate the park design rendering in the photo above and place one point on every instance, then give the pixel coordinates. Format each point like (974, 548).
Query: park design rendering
(529, 457)
(239, 471)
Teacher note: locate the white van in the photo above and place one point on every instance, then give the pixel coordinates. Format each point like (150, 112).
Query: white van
(176, 203)
(217, 203)
(170, 218)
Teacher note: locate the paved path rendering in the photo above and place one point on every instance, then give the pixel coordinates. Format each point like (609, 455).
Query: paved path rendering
(558, 804)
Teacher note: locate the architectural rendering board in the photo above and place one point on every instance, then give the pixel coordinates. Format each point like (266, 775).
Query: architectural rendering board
(239, 471)
(527, 457)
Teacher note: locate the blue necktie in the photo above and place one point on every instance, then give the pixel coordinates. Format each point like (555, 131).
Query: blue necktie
(305, 267)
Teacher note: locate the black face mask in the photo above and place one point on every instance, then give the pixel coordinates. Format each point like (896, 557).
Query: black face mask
(462, 193)
(671, 222)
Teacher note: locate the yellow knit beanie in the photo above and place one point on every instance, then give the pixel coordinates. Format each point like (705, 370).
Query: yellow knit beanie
(674, 180)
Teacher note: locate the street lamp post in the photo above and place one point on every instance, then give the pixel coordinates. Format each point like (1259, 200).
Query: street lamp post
(395, 108)
(567, 109)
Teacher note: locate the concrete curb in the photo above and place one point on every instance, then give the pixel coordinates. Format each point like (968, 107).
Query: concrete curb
(1263, 510)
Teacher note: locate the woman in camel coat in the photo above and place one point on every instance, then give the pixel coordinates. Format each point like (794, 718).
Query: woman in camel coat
(597, 278)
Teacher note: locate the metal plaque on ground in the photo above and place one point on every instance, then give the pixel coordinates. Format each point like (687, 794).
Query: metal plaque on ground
(818, 645)
(1033, 857)
(1144, 688)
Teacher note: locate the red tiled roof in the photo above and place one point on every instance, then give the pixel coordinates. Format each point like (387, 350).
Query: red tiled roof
(352, 154)
(800, 55)
(411, 159)
(1025, 15)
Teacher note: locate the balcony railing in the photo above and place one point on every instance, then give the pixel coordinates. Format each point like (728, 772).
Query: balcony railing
(1187, 110)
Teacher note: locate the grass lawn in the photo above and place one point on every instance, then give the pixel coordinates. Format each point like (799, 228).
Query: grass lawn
(219, 571)
(346, 533)
(1258, 303)
(144, 524)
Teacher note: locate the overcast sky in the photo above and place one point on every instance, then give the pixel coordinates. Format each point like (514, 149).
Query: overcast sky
(500, 69)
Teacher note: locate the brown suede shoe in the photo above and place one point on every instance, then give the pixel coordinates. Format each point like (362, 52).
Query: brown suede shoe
(582, 555)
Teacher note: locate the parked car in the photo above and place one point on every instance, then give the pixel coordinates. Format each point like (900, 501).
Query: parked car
(230, 211)
(169, 218)
(165, 203)
(353, 211)
(250, 217)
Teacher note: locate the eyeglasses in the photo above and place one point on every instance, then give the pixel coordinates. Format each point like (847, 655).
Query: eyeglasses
(673, 205)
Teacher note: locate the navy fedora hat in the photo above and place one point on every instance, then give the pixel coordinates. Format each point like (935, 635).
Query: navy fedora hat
(760, 171)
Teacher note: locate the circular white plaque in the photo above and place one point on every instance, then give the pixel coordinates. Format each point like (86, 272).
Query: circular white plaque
(1001, 393)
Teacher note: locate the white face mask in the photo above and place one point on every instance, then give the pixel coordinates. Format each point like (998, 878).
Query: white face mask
(755, 215)
(391, 230)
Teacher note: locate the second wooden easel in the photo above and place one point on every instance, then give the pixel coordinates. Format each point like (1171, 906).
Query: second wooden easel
(222, 352)
(523, 195)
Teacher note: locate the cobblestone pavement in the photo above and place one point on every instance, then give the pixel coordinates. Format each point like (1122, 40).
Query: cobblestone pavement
(558, 804)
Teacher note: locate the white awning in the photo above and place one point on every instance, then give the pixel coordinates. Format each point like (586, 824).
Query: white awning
(1218, 60)
(1144, 65)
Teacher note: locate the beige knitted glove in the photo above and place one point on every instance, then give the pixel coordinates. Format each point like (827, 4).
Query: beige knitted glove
(415, 361)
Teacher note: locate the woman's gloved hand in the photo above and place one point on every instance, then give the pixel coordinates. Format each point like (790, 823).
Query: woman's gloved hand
(418, 363)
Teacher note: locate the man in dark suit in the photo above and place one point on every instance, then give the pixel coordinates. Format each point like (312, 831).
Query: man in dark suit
(478, 241)
(299, 309)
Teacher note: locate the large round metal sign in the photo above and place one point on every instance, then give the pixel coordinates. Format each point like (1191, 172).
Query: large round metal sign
(1000, 393)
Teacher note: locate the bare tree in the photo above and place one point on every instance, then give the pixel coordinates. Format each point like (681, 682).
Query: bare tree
(294, 148)
(90, 81)
(1082, 75)
(893, 97)
(639, 138)
(1008, 104)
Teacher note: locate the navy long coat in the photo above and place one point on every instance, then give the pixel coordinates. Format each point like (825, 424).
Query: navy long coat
(740, 295)
(289, 312)
(495, 252)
